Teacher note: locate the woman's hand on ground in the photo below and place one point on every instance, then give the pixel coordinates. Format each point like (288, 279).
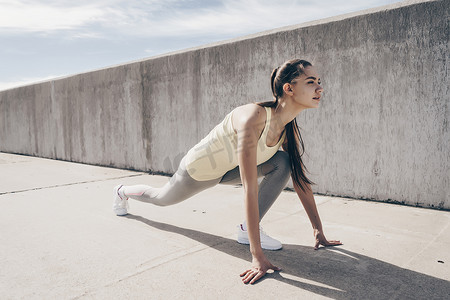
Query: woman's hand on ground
(259, 268)
(322, 240)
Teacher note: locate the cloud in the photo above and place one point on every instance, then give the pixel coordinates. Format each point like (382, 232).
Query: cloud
(228, 17)
(37, 16)
(89, 17)
(166, 18)
(237, 17)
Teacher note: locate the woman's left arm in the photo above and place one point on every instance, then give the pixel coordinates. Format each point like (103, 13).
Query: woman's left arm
(307, 199)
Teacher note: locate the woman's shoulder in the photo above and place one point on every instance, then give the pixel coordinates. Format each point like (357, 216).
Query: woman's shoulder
(251, 113)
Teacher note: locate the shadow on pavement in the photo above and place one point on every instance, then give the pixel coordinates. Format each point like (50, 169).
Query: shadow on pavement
(331, 272)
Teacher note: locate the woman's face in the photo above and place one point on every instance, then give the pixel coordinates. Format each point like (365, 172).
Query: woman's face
(305, 89)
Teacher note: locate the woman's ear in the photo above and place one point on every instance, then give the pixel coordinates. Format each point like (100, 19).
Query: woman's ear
(287, 88)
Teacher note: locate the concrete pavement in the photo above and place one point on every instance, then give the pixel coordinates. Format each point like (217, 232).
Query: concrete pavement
(60, 240)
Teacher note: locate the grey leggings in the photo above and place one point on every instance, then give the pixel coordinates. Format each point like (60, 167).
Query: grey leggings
(181, 186)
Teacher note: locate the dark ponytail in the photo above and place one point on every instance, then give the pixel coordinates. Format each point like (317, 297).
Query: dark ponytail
(295, 147)
(272, 81)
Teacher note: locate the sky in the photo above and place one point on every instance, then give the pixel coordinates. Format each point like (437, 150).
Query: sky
(45, 39)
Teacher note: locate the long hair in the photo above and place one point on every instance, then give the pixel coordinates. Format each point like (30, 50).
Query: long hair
(295, 147)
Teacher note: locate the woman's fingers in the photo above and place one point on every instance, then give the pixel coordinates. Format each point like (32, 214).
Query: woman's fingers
(249, 276)
(245, 272)
(316, 245)
(257, 277)
(326, 243)
(334, 243)
(253, 275)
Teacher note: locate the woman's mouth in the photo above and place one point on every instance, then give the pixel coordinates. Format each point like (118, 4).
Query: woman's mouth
(316, 98)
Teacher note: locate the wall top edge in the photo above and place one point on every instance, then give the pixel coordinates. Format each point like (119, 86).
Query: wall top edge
(247, 37)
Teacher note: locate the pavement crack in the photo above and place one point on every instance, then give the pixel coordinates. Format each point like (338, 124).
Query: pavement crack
(67, 184)
(428, 245)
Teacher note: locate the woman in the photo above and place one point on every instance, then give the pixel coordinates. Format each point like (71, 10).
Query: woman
(243, 147)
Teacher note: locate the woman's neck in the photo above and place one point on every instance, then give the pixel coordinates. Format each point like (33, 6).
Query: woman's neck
(286, 112)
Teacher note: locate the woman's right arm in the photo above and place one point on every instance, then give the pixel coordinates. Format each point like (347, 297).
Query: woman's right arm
(249, 122)
(307, 198)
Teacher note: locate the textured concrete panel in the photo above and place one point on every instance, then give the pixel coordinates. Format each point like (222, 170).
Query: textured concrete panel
(381, 132)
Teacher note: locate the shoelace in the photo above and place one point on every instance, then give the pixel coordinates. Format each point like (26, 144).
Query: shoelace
(261, 230)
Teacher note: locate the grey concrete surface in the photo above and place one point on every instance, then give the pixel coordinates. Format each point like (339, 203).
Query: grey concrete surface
(381, 132)
(60, 240)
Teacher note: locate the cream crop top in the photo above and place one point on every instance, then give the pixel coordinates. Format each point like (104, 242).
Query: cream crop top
(216, 154)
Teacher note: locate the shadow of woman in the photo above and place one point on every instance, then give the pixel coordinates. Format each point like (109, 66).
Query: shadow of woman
(331, 272)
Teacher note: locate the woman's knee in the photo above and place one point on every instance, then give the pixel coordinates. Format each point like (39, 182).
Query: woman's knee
(164, 202)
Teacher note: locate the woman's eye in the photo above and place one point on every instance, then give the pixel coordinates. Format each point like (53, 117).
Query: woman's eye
(310, 82)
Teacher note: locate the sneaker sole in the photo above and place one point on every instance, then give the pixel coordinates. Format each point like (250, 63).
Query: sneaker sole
(121, 212)
(265, 247)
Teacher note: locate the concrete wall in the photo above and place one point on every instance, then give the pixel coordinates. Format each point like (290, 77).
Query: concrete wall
(381, 131)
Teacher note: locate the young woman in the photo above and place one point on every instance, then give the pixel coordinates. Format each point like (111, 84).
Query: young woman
(243, 147)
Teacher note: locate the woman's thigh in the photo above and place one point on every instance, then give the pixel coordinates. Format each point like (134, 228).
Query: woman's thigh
(180, 187)
(234, 177)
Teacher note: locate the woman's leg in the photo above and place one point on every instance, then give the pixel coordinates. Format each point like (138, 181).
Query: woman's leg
(275, 173)
(180, 187)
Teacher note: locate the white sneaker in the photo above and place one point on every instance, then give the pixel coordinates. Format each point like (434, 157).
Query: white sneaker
(120, 205)
(267, 242)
